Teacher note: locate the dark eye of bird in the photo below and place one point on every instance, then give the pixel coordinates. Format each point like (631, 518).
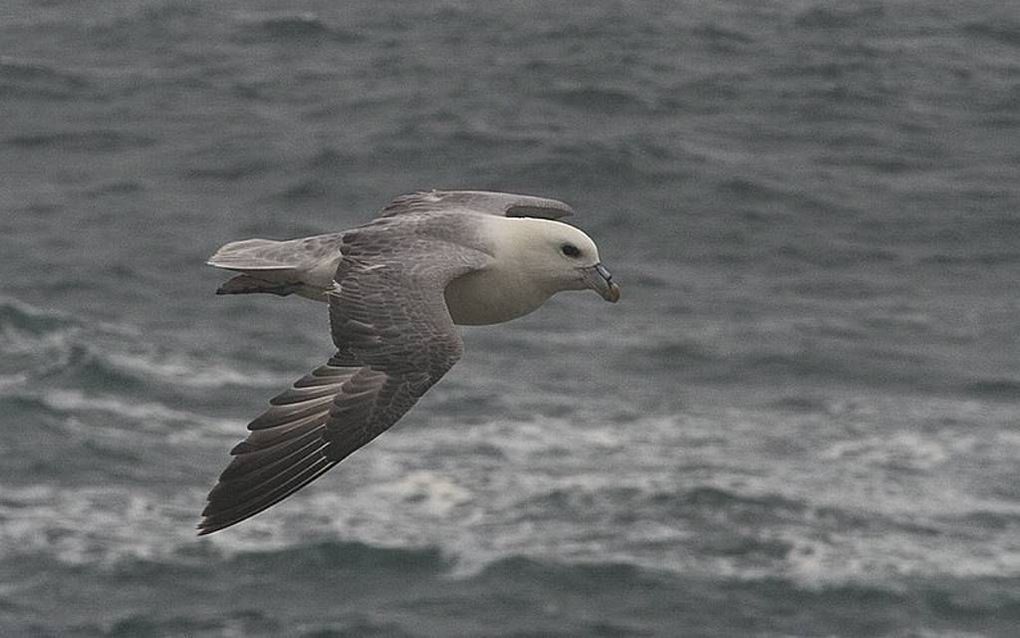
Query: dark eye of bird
(570, 250)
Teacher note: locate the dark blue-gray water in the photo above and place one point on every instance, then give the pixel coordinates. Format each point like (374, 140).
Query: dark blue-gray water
(803, 419)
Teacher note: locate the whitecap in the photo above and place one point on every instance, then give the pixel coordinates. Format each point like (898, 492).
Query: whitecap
(148, 416)
(91, 525)
(181, 370)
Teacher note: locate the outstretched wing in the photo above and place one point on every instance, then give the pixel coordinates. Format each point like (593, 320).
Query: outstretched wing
(502, 204)
(394, 339)
(285, 450)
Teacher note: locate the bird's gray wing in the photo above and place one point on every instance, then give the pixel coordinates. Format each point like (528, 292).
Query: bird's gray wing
(394, 339)
(502, 204)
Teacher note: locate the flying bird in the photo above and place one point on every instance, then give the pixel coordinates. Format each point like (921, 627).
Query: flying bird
(396, 288)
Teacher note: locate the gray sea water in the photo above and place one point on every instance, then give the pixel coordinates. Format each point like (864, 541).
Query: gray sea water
(803, 418)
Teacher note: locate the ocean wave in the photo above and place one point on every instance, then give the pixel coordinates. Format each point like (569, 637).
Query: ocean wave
(902, 451)
(673, 353)
(314, 557)
(94, 141)
(721, 37)
(38, 343)
(1004, 31)
(328, 160)
(585, 576)
(301, 191)
(972, 257)
(595, 164)
(146, 415)
(97, 526)
(840, 287)
(599, 98)
(562, 599)
(438, 525)
(290, 29)
(191, 371)
(34, 342)
(835, 16)
(597, 463)
(1001, 388)
(115, 187)
(109, 437)
(29, 79)
(230, 170)
(127, 625)
(165, 21)
(18, 315)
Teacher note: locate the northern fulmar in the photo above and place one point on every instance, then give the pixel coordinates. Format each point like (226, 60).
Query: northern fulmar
(396, 287)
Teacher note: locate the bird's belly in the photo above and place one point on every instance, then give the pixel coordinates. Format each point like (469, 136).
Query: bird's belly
(482, 298)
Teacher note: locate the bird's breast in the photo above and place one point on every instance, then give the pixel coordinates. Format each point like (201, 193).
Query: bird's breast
(491, 296)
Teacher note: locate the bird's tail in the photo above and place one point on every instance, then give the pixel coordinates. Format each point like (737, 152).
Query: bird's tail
(263, 266)
(304, 266)
(244, 284)
(252, 254)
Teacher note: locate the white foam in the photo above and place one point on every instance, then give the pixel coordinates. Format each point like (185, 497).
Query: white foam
(12, 380)
(140, 421)
(93, 525)
(122, 347)
(432, 493)
(907, 450)
(481, 493)
(192, 372)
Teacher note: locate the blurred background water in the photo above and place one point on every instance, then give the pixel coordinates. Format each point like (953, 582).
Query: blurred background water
(802, 419)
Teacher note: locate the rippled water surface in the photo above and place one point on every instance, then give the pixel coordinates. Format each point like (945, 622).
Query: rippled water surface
(803, 419)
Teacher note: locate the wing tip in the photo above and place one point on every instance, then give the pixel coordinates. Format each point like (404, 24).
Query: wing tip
(206, 527)
(209, 523)
(493, 202)
(215, 518)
